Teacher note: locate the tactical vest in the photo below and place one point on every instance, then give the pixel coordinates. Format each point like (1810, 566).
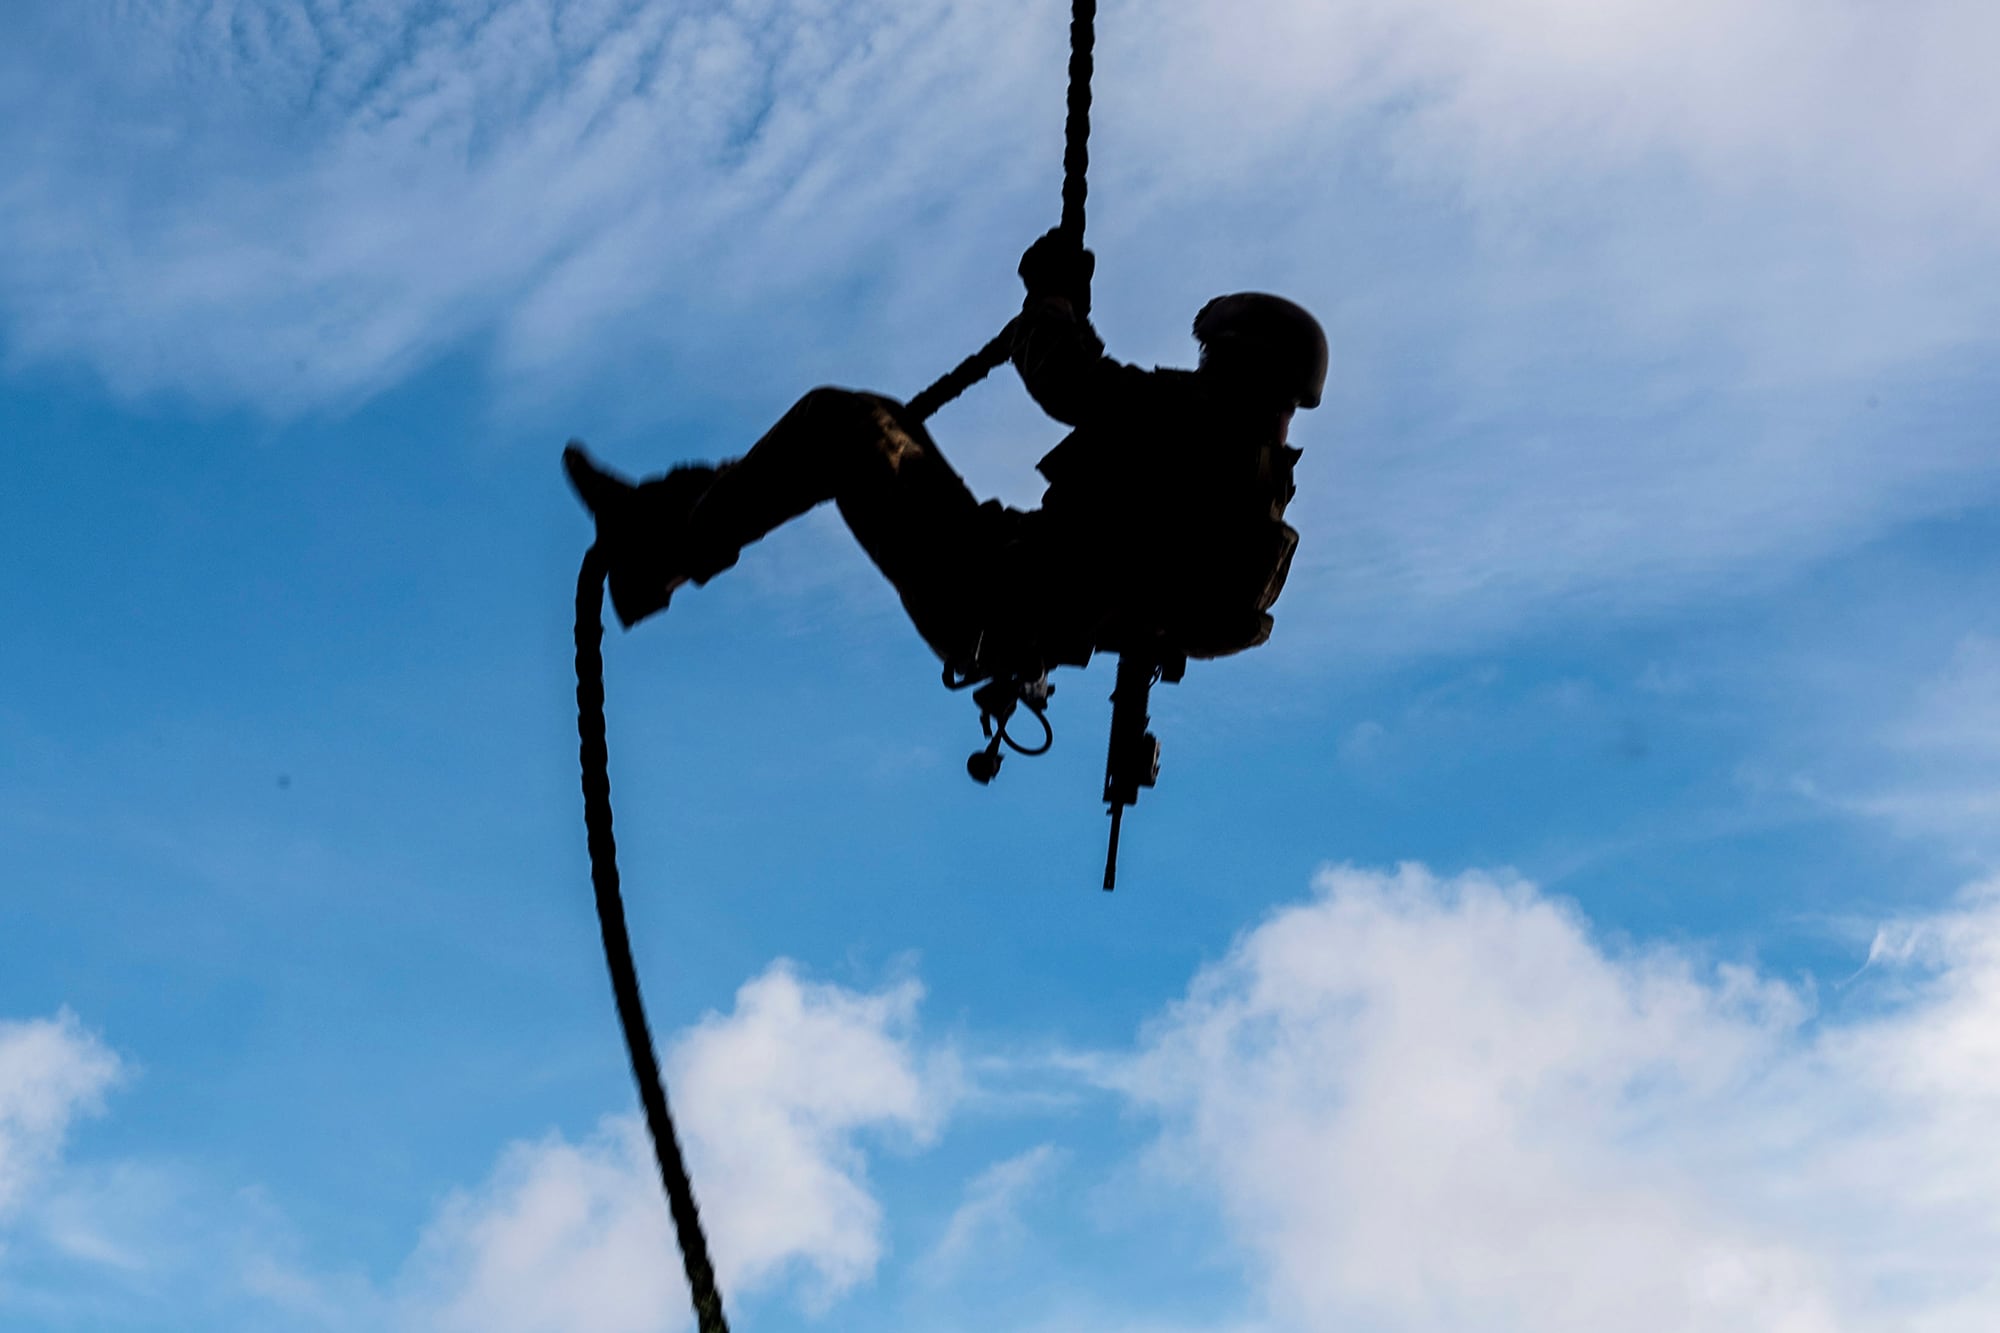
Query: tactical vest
(1177, 519)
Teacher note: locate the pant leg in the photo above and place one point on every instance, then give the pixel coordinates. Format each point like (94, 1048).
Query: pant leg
(905, 504)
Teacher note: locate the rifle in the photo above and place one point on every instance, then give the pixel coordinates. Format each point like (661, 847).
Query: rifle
(1132, 760)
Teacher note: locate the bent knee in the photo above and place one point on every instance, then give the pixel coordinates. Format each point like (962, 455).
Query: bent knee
(852, 417)
(828, 398)
(831, 399)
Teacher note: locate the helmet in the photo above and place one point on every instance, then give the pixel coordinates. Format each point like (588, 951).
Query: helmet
(1271, 331)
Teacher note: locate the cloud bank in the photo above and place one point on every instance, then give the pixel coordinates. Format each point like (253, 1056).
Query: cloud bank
(289, 202)
(773, 1101)
(52, 1072)
(1429, 1104)
(1415, 1103)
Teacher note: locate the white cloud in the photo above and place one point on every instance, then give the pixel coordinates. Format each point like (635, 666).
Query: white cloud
(1932, 770)
(1959, 709)
(1418, 1103)
(776, 1102)
(52, 1071)
(775, 1095)
(292, 204)
(1629, 298)
(1826, 98)
(1610, 282)
(288, 203)
(1431, 1104)
(562, 1236)
(772, 1101)
(111, 1242)
(989, 1215)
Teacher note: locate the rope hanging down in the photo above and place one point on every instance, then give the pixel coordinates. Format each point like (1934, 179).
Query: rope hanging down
(618, 945)
(595, 755)
(1075, 185)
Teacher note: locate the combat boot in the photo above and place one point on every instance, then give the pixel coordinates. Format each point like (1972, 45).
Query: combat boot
(641, 530)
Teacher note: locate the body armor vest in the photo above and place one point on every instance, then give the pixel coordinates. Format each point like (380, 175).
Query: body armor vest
(1174, 514)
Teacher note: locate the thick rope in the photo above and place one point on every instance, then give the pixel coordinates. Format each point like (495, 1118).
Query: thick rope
(618, 945)
(1076, 168)
(596, 758)
(962, 376)
(1076, 119)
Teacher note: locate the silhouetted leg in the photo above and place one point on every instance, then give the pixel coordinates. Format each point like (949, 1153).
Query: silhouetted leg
(910, 511)
(637, 529)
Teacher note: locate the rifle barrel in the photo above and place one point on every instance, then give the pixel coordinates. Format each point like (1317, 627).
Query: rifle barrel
(1111, 855)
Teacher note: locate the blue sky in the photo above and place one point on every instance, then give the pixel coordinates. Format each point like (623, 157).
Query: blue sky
(1581, 914)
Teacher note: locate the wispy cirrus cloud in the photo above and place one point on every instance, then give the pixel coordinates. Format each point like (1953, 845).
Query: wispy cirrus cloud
(209, 194)
(1928, 762)
(1631, 301)
(988, 1218)
(52, 1072)
(113, 1241)
(292, 204)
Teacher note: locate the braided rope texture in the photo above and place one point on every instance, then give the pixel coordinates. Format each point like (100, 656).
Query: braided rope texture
(595, 759)
(595, 756)
(1076, 120)
(962, 376)
(1075, 186)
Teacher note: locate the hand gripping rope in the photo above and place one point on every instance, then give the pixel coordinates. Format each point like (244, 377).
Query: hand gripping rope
(595, 757)
(1076, 167)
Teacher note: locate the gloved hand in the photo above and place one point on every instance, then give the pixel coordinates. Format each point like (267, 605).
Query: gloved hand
(1058, 265)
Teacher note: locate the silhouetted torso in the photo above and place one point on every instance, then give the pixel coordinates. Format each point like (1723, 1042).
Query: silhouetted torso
(1166, 500)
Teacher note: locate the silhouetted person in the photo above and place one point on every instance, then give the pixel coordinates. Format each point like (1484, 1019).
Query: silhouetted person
(1163, 519)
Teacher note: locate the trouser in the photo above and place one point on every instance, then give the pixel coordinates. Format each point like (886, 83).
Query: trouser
(966, 571)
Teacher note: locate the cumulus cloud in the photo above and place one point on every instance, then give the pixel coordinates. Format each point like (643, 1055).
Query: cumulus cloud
(773, 1101)
(1416, 1102)
(775, 1095)
(52, 1071)
(777, 1102)
(562, 1236)
(1430, 1103)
